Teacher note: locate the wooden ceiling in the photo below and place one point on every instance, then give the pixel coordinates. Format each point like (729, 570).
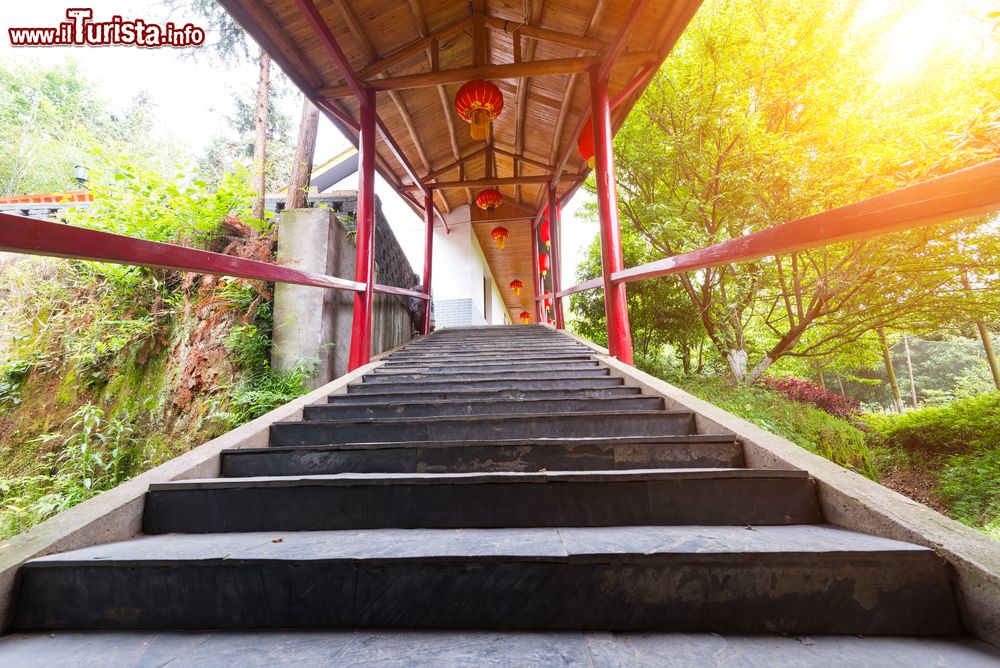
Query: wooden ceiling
(419, 52)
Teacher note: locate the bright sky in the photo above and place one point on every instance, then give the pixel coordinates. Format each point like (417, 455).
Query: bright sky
(193, 98)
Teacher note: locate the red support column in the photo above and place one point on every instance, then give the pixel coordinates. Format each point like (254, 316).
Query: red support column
(536, 283)
(555, 222)
(364, 269)
(428, 256)
(619, 334)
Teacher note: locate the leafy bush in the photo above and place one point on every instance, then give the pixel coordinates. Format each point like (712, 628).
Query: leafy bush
(808, 392)
(970, 485)
(963, 427)
(813, 429)
(97, 455)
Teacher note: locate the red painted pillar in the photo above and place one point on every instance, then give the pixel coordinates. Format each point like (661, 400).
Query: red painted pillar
(428, 256)
(555, 221)
(364, 269)
(535, 271)
(619, 334)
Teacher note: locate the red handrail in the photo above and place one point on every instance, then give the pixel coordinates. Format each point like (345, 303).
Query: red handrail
(967, 192)
(19, 234)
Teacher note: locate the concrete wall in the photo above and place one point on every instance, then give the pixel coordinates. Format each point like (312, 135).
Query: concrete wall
(315, 323)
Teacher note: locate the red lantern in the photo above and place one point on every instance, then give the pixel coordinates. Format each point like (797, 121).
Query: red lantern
(525, 317)
(489, 199)
(516, 286)
(500, 235)
(548, 302)
(479, 102)
(585, 142)
(543, 263)
(550, 321)
(543, 232)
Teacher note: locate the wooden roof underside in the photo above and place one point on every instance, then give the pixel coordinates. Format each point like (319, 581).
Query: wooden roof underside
(417, 53)
(541, 112)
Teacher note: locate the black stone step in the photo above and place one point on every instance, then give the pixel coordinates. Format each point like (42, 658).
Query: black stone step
(565, 425)
(597, 372)
(449, 367)
(499, 395)
(562, 385)
(643, 497)
(446, 360)
(774, 580)
(485, 406)
(698, 451)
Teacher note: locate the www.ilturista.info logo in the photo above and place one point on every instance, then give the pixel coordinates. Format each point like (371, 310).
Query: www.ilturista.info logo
(81, 30)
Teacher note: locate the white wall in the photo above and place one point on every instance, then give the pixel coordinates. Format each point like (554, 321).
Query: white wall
(460, 269)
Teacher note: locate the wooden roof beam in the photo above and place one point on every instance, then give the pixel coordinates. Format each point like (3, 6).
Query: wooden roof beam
(462, 74)
(413, 49)
(438, 173)
(521, 104)
(490, 182)
(534, 31)
(520, 157)
(330, 45)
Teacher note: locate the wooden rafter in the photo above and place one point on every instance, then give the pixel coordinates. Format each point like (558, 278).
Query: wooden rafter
(413, 49)
(528, 53)
(494, 182)
(438, 173)
(534, 31)
(504, 71)
(520, 157)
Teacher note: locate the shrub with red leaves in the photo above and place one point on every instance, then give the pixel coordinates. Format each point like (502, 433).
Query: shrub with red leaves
(808, 392)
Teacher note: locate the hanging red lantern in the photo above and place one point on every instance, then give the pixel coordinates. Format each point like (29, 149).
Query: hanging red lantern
(489, 199)
(548, 302)
(500, 235)
(479, 102)
(550, 321)
(525, 317)
(516, 286)
(585, 142)
(543, 232)
(543, 263)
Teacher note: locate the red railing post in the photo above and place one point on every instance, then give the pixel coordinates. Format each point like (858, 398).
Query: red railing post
(619, 334)
(428, 257)
(555, 223)
(536, 283)
(364, 269)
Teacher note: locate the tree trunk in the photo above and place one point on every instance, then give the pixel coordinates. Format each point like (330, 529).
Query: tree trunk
(909, 368)
(259, 179)
(701, 361)
(991, 355)
(686, 359)
(897, 398)
(820, 378)
(984, 336)
(305, 147)
(840, 381)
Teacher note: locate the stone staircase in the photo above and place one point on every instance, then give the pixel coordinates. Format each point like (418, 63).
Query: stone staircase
(493, 478)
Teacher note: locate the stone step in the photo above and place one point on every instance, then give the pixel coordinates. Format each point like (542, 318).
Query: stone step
(483, 406)
(454, 649)
(461, 352)
(595, 372)
(585, 454)
(449, 367)
(562, 385)
(565, 425)
(445, 360)
(775, 580)
(640, 497)
(500, 395)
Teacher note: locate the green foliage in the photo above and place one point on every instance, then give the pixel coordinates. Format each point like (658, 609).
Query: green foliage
(970, 425)
(262, 392)
(807, 426)
(137, 202)
(51, 120)
(970, 485)
(96, 455)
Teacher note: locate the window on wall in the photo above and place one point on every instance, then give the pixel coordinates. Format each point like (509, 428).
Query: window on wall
(487, 301)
